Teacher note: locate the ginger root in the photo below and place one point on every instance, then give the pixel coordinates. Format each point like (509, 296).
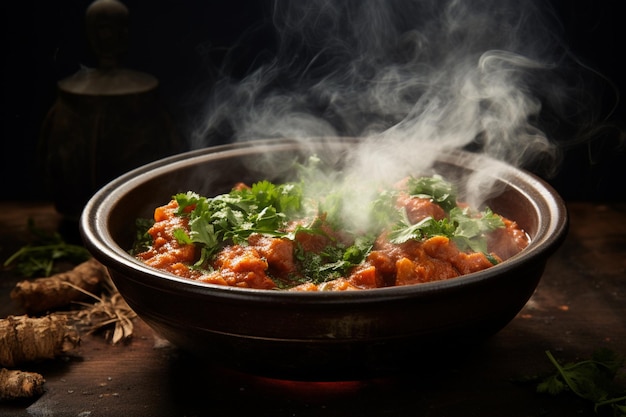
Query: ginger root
(16, 384)
(25, 339)
(58, 290)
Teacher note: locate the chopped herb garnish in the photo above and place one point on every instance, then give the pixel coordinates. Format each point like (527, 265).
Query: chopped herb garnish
(334, 261)
(466, 228)
(425, 228)
(316, 204)
(436, 188)
(143, 240)
(233, 217)
(470, 228)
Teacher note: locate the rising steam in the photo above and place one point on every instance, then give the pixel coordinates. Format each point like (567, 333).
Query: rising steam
(404, 75)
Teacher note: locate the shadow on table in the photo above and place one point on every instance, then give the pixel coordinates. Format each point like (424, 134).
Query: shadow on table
(457, 381)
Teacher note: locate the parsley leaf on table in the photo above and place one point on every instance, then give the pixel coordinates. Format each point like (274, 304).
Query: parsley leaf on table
(592, 380)
(40, 257)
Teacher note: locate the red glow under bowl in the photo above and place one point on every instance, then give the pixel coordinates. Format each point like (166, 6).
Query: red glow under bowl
(315, 335)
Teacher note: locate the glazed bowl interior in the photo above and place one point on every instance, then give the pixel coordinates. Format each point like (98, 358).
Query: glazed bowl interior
(314, 335)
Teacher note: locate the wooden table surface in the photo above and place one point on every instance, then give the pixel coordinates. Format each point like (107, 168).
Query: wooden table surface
(579, 306)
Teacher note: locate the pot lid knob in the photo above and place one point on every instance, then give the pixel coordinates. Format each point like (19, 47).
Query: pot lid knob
(107, 30)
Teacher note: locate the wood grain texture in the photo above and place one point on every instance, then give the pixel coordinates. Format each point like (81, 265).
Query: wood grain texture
(579, 306)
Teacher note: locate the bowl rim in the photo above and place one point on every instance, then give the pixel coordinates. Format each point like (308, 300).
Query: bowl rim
(96, 237)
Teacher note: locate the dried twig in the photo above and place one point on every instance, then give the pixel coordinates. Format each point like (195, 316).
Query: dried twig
(109, 310)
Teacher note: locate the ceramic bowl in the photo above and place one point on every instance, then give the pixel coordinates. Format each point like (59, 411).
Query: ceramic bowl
(316, 335)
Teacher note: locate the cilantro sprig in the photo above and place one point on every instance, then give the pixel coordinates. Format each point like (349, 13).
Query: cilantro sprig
(263, 208)
(467, 228)
(471, 227)
(42, 255)
(334, 261)
(592, 380)
(404, 230)
(436, 188)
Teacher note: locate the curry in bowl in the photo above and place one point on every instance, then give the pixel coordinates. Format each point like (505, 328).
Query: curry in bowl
(286, 237)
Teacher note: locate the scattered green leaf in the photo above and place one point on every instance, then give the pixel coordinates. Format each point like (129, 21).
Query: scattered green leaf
(592, 380)
(39, 258)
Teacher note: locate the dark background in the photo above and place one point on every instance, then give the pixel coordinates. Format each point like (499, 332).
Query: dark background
(183, 43)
